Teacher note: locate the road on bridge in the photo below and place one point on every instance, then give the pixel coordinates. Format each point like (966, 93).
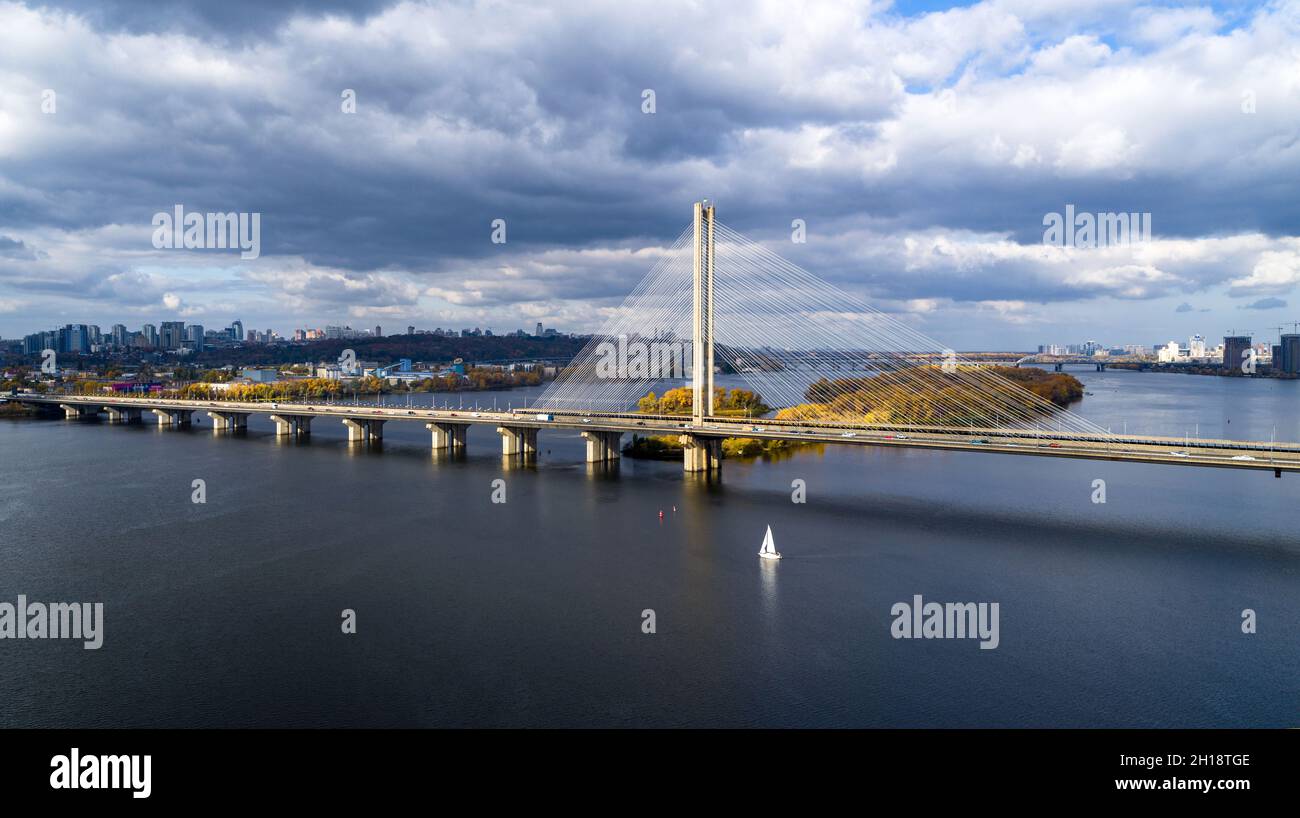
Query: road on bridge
(1232, 454)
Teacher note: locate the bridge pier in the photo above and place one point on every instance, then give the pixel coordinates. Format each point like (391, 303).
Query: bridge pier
(173, 417)
(228, 421)
(448, 435)
(603, 446)
(701, 453)
(293, 425)
(518, 440)
(122, 414)
(73, 411)
(365, 430)
(1101, 367)
(1058, 367)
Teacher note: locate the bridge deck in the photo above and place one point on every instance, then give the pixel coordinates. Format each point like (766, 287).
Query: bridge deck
(1233, 454)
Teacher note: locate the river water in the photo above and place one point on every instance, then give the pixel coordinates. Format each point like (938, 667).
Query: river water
(530, 612)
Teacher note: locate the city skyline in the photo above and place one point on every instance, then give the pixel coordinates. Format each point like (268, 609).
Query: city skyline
(902, 150)
(176, 335)
(119, 336)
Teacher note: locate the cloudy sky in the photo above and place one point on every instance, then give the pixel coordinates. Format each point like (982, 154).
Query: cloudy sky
(921, 143)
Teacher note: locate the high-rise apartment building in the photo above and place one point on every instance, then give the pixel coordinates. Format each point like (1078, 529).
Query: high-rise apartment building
(1236, 351)
(171, 335)
(1289, 359)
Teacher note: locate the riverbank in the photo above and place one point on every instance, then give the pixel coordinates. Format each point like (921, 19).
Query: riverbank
(1217, 370)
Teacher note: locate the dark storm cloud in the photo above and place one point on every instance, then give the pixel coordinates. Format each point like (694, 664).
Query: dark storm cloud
(548, 134)
(15, 249)
(1266, 304)
(469, 112)
(225, 19)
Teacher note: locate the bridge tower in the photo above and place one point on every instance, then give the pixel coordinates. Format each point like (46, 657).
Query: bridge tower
(702, 334)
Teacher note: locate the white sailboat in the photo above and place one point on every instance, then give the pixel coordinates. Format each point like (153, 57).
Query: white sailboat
(768, 551)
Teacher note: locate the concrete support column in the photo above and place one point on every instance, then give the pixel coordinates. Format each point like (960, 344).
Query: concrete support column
(364, 429)
(701, 453)
(74, 411)
(292, 425)
(173, 417)
(518, 440)
(448, 435)
(228, 421)
(702, 323)
(603, 446)
(122, 414)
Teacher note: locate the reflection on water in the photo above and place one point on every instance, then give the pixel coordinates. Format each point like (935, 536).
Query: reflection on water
(768, 573)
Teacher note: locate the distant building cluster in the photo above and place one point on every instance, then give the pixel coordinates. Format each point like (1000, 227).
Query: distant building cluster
(182, 339)
(1283, 357)
(170, 336)
(1091, 349)
(476, 332)
(348, 333)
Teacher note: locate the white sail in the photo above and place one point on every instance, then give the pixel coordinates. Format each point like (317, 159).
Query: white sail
(769, 547)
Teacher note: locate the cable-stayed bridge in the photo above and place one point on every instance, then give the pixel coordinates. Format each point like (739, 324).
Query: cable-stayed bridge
(818, 365)
(716, 300)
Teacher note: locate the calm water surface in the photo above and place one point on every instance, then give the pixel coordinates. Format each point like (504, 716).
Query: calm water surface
(529, 613)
